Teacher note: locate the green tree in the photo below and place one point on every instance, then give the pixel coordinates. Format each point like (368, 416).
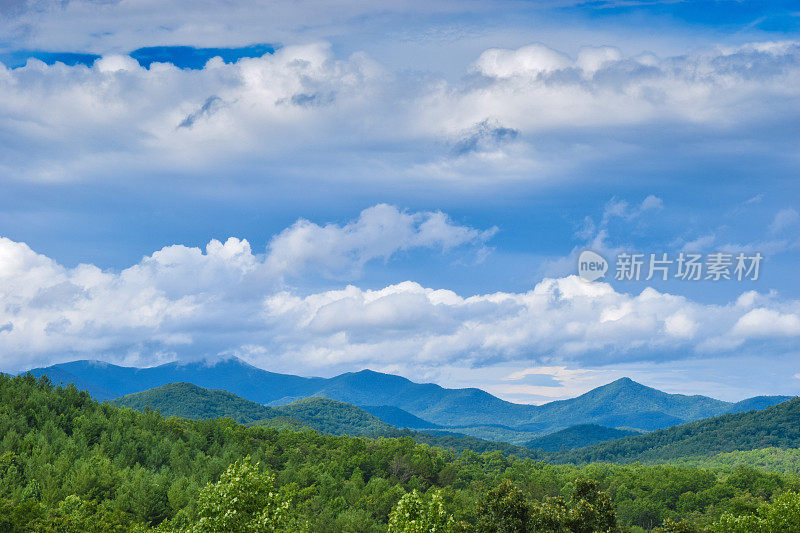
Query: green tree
(782, 514)
(74, 515)
(420, 513)
(590, 509)
(243, 500)
(504, 509)
(671, 526)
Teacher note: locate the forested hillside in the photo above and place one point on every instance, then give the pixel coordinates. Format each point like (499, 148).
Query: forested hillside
(335, 418)
(398, 417)
(577, 437)
(776, 426)
(190, 401)
(321, 414)
(68, 463)
(785, 460)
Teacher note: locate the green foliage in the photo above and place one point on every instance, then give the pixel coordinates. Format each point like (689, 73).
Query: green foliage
(782, 514)
(244, 500)
(420, 513)
(504, 509)
(775, 426)
(68, 463)
(588, 510)
(189, 401)
(772, 459)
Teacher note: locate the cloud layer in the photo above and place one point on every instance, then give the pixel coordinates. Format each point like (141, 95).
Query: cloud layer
(303, 114)
(227, 300)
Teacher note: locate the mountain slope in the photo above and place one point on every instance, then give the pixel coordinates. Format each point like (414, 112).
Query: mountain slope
(321, 414)
(447, 407)
(398, 417)
(106, 381)
(776, 426)
(621, 404)
(577, 437)
(335, 418)
(190, 401)
(626, 403)
(757, 403)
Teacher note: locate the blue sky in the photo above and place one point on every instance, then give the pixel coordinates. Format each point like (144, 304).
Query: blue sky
(472, 148)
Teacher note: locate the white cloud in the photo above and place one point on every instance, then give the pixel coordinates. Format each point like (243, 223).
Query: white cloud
(523, 115)
(559, 318)
(530, 60)
(680, 325)
(380, 232)
(534, 88)
(763, 322)
(592, 59)
(784, 218)
(651, 202)
(183, 295)
(226, 299)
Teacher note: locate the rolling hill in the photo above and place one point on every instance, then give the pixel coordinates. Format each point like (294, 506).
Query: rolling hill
(626, 403)
(190, 401)
(776, 426)
(335, 418)
(757, 403)
(577, 437)
(623, 403)
(398, 417)
(321, 414)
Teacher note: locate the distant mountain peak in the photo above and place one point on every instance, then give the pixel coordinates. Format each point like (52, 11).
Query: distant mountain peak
(627, 382)
(368, 372)
(211, 362)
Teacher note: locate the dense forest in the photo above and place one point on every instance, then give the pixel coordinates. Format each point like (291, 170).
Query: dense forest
(69, 463)
(775, 426)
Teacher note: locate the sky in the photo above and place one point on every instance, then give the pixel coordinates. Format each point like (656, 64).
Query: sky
(318, 188)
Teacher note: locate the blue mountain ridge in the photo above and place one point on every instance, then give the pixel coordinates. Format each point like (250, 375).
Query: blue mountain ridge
(623, 403)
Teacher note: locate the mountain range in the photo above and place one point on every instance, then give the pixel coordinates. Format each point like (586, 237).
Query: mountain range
(623, 404)
(776, 426)
(320, 414)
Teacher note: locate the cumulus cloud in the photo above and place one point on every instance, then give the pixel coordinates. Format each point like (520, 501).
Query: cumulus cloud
(558, 319)
(521, 114)
(763, 322)
(379, 233)
(187, 302)
(534, 88)
(179, 295)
